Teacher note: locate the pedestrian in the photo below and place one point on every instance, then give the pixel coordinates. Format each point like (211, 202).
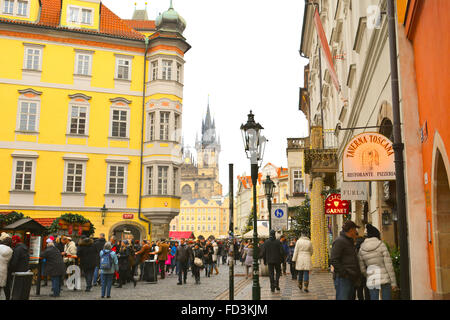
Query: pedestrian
(87, 253)
(58, 244)
(20, 262)
(182, 258)
(69, 255)
(108, 266)
(273, 255)
(362, 292)
(302, 258)
(207, 254)
(173, 265)
(54, 266)
(236, 252)
(346, 270)
(98, 244)
(376, 264)
(215, 257)
(123, 256)
(141, 256)
(162, 252)
(197, 257)
(285, 245)
(224, 253)
(289, 260)
(248, 259)
(5, 256)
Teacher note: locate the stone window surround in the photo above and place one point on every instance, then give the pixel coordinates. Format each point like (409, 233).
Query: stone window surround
(78, 159)
(157, 109)
(89, 53)
(170, 187)
(120, 104)
(116, 72)
(16, 8)
(116, 161)
(24, 156)
(74, 103)
(159, 57)
(24, 98)
(35, 46)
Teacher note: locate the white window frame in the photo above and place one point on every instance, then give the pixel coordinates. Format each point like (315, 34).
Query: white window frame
(7, 12)
(69, 120)
(297, 176)
(164, 127)
(120, 109)
(79, 16)
(154, 70)
(167, 69)
(14, 173)
(163, 180)
(179, 67)
(151, 125)
(19, 112)
(15, 8)
(66, 175)
(36, 49)
(119, 60)
(83, 72)
(150, 183)
(91, 16)
(125, 178)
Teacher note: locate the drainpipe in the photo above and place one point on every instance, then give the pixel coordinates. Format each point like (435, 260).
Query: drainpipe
(142, 138)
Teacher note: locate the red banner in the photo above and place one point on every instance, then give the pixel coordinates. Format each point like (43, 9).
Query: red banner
(334, 205)
(326, 49)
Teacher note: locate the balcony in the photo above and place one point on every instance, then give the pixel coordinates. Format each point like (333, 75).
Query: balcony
(298, 143)
(321, 157)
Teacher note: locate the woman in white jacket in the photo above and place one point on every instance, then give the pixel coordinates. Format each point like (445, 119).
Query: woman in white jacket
(376, 264)
(302, 258)
(5, 255)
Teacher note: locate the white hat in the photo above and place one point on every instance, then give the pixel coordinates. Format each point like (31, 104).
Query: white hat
(4, 236)
(49, 240)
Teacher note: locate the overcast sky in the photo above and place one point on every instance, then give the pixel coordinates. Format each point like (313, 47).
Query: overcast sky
(245, 55)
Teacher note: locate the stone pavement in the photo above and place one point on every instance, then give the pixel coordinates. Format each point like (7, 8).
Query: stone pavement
(321, 287)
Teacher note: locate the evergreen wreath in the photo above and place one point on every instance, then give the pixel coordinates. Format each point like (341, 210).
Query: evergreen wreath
(71, 219)
(7, 219)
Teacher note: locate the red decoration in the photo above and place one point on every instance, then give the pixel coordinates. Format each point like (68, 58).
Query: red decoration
(70, 229)
(80, 230)
(334, 204)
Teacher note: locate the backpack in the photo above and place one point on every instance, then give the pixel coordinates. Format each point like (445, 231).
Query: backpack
(106, 261)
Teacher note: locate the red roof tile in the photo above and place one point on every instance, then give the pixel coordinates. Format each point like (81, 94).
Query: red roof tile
(46, 222)
(141, 24)
(110, 24)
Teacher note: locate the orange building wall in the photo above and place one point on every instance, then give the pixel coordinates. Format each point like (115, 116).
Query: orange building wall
(427, 27)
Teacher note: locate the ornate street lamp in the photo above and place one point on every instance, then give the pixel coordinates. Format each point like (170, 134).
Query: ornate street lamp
(103, 210)
(269, 187)
(254, 144)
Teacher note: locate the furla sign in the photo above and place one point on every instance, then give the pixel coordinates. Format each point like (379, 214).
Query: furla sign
(368, 156)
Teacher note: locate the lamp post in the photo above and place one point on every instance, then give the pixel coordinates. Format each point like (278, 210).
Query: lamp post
(103, 210)
(269, 186)
(254, 144)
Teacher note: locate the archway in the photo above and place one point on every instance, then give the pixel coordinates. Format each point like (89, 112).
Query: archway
(127, 231)
(441, 215)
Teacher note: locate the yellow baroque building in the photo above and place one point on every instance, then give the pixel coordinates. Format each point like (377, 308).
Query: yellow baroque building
(204, 217)
(91, 114)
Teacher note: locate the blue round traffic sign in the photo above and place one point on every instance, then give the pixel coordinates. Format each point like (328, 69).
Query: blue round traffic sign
(279, 213)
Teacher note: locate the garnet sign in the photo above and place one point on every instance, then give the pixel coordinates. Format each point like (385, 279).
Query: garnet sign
(334, 204)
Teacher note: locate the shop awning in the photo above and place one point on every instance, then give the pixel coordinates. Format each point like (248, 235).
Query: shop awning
(181, 234)
(28, 225)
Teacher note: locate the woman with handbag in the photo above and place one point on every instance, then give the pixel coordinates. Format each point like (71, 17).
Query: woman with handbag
(198, 264)
(248, 259)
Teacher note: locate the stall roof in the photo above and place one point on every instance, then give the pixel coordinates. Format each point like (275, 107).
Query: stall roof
(180, 234)
(27, 224)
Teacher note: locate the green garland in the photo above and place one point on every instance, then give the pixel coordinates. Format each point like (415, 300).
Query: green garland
(7, 219)
(326, 193)
(71, 219)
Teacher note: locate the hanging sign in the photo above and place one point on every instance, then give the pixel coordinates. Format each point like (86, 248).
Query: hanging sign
(354, 191)
(368, 156)
(279, 216)
(335, 205)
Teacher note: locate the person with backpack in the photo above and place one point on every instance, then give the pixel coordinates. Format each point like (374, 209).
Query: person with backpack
(98, 244)
(109, 264)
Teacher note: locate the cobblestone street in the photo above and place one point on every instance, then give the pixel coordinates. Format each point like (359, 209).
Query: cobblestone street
(213, 288)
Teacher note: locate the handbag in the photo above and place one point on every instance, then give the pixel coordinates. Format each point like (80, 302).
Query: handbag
(198, 262)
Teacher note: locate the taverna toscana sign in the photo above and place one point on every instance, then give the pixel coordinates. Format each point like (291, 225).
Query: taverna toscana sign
(368, 156)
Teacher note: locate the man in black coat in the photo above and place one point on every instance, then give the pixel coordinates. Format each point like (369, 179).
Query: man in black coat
(87, 253)
(98, 244)
(54, 266)
(344, 260)
(273, 254)
(20, 262)
(182, 257)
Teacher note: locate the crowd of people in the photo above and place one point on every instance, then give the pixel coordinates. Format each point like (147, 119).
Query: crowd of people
(361, 266)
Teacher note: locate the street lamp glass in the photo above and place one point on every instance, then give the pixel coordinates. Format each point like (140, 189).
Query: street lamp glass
(269, 186)
(254, 143)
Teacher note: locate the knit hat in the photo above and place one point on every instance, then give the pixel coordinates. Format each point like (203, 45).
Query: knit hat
(49, 240)
(16, 239)
(372, 231)
(4, 236)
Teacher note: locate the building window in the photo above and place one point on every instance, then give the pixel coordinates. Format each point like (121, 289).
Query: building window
(177, 127)
(83, 64)
(173, 228)
(155, 70)
(33, 58)
(123, 69)
(116, 179)
(86, 16)
(203, 227)
(209, 218)
(167, 70)
(23, 175)
(164, 125)
(298, 182)
(150, 180)
(162, 180)
(18, 8)
(182, 218)
(214, 218)
(119, 123)
(78, 117)
(8, 6)
(151, 129)
(182, 228)
(178, 72)
(209, 227)
(214, 227)
(22, 8)
(198, 228)
(73, 14)
(74, 177)
(175, 180)
(28, 116)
